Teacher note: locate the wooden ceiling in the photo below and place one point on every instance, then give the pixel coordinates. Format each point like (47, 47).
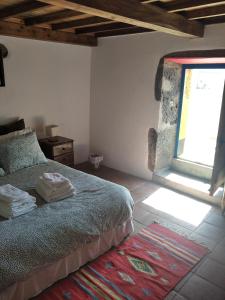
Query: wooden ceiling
(84, 21)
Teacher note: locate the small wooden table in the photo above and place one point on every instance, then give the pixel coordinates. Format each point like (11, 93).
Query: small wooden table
(58, 148)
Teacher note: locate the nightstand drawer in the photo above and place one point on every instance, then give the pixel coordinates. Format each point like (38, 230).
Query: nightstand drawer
(66, 159)
(62, 149)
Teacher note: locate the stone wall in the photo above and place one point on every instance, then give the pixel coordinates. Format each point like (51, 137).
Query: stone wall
(168, 115)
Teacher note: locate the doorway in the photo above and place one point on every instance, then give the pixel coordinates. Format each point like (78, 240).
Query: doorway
(199, 113)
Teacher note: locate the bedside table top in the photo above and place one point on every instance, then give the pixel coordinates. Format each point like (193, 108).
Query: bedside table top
(60, 140)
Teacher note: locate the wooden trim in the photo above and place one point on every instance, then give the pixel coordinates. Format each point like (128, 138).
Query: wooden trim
(18, 30)
(15, 9)
(214, 20)
(51, 17)
(124, 31)
(79, 23)
(208, 12)
(100, 28)
(149, 1)
(134, 13)
(178, 5)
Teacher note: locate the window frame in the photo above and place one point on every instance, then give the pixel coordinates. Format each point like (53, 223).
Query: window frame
(180, 103)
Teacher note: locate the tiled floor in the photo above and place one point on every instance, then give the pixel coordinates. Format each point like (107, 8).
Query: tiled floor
(207, 279)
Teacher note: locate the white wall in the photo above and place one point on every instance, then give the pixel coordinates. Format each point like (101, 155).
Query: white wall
(123, 106)
(49, 83)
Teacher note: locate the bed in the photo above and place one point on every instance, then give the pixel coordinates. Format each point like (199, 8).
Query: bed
(47, 244)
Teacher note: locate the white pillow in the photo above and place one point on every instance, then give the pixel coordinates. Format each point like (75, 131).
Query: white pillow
(2, 172)
(15, 133)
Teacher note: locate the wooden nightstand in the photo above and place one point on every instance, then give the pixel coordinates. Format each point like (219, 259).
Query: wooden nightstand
(59, 149)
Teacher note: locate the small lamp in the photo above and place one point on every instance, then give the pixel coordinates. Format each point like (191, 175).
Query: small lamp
(52, 132)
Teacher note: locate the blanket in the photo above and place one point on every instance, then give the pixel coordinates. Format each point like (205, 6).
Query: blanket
(53, 230)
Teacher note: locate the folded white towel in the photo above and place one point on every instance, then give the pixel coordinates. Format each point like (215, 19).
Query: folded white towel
(54, 190)
(55, 196)
(52, 194)
(7, 212)
(54, 187)
(54, 180)
(11, 194)
(22, 203)
(22, 206)
(15, 202)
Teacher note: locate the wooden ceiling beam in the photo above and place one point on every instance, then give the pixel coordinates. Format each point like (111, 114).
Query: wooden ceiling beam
(16, 9)
(51, 17)
(79, 23)
(181, 5)
(100, 28)
(134, 13)
(208, 12)
(132, 30)
(18, 30)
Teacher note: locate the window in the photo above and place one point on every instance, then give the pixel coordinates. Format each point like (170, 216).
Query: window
(199, 112)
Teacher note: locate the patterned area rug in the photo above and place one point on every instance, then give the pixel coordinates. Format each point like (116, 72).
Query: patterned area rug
(146, 266)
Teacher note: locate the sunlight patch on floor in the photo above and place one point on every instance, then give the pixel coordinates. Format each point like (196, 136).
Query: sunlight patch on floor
(179, 206)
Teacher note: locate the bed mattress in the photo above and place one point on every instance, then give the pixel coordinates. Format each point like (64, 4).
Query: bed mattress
(57, 230)
(46, 275)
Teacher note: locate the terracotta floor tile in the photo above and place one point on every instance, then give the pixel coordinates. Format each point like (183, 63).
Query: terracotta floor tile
(182, 282)
(174, 296)
(144, 191)
(148, 218)
(203, 240)
(176, 228)
(129, 181)
(218, 254)
(171, 295)
(139, 213)
(179, 297)
(170, 218)
(222, 243)
(213, 272)
(216, 219)
(137, 227)
(211, 231)
(198, 288)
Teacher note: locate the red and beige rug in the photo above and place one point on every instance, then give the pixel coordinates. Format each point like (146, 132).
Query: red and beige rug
(146, 266)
